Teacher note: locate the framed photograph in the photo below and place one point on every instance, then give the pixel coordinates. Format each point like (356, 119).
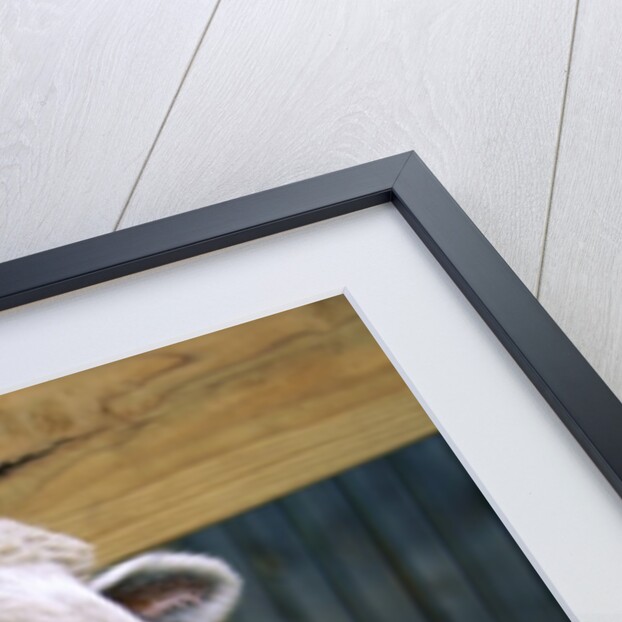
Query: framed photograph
(353, 332)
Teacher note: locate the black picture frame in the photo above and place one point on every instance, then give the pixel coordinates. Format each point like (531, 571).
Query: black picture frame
(572, 388)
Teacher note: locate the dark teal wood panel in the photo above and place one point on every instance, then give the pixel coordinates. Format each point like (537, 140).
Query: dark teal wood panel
(258, 605)
(358, 571)
(481, 545)
(287, 569)
(406, 538)
(409, 541)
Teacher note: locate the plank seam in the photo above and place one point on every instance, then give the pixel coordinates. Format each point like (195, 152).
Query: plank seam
(210, 19)
(314, 559)
(547, 218)
(481, 597)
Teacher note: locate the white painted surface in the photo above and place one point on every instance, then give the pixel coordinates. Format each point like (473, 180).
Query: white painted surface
(582, 276)
(281, 91)
(551, 496)
(84, 87)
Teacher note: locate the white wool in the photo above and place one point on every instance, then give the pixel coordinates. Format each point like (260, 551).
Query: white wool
(46, 593)
(42, 579)
(22, 544)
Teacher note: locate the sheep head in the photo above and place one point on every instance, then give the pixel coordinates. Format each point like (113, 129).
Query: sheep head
(46, 577)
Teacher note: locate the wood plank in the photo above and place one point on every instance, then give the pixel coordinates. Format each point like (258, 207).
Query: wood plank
(84, 87)
(255, 604)
(282, 92)
(143, 450)
(352, 563)
(582, 271)
(481, 545)
(409, 540)
(286, 566)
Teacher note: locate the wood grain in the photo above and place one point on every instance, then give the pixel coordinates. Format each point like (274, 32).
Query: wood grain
(286, 567)
(480, 544)
(143, 450)
(582, 271)
(84, 87)
(359, 573)
(408, 537)
(280, 92)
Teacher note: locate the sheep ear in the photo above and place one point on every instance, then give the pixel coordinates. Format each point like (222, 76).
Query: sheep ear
(24, 544)
(172, 587)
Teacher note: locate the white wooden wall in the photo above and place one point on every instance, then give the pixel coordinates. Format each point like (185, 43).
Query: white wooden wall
(115, 113)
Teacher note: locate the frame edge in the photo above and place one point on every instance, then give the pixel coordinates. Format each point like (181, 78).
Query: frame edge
(562, 375)
(571, 387)
(153, 244)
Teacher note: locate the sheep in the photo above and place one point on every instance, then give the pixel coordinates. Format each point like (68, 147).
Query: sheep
(47, 577)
